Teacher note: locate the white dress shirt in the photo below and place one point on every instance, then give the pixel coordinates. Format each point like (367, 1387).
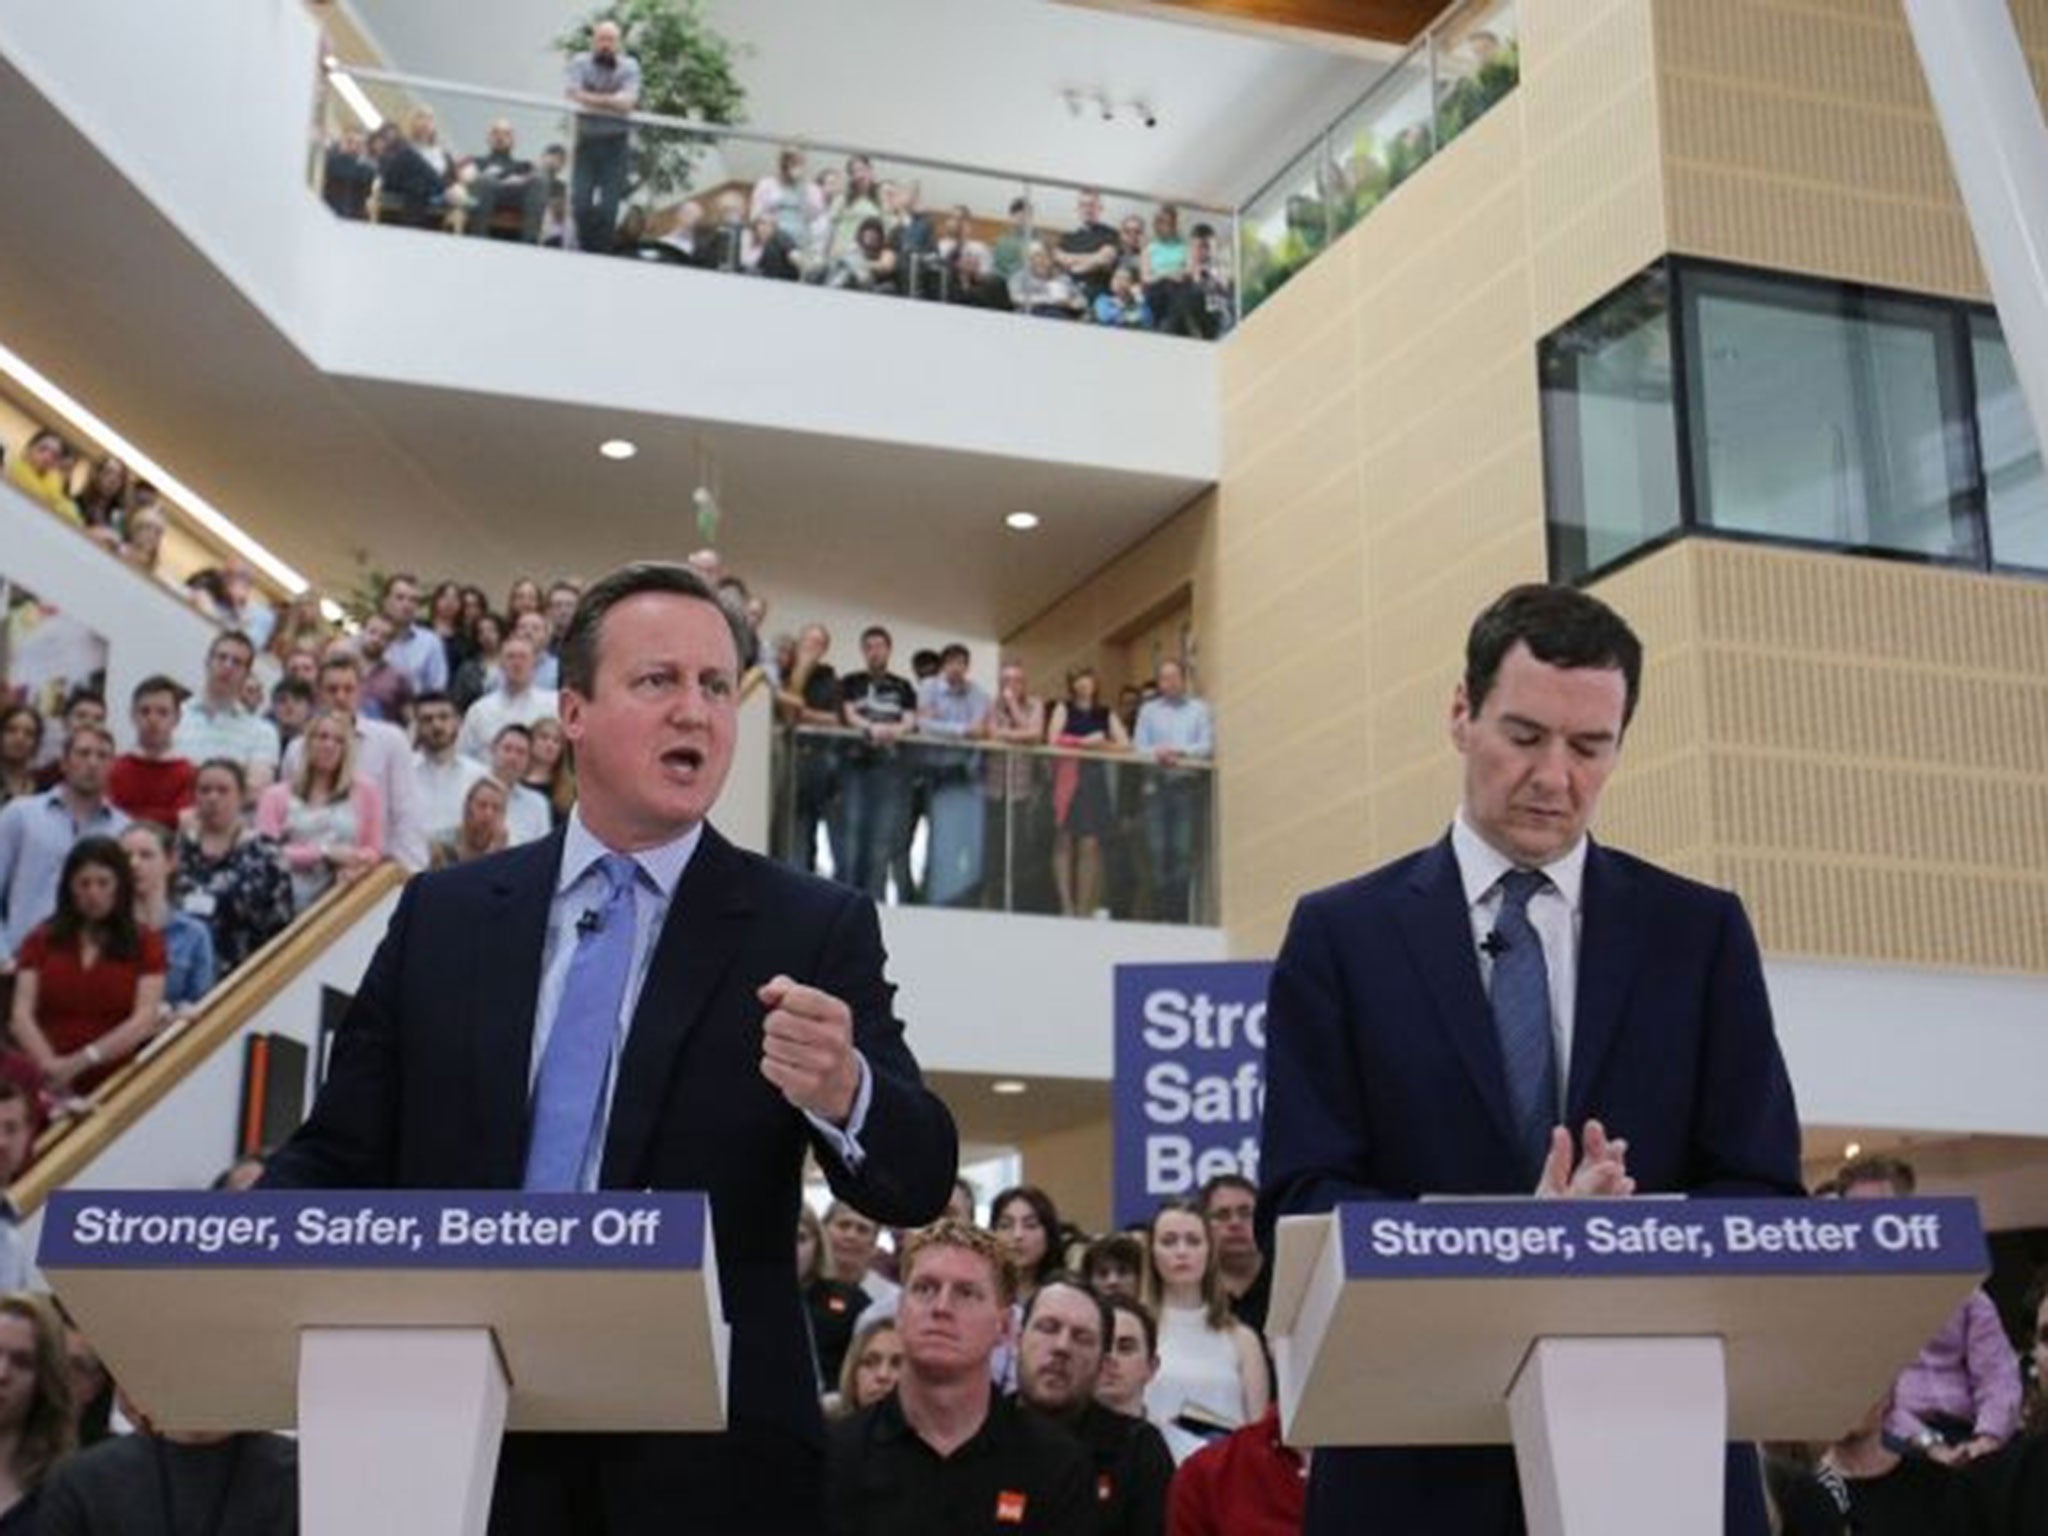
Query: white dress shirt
(498, 709)
(579, 886)
(442, 786)
(1554, 912)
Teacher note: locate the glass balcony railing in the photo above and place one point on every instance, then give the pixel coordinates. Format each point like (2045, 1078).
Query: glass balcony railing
(973, 825)
(430, 154)
(1450, 78)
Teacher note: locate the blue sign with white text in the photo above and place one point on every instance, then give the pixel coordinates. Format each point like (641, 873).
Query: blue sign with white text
(371, 1229)
(1190, 1078)
(1524, 1239)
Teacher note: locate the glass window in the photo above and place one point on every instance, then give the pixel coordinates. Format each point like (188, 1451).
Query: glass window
(1610, 434)
(2015, 490)
(1824, 414)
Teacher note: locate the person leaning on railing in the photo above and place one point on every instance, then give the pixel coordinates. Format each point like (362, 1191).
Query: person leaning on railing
(89, 983)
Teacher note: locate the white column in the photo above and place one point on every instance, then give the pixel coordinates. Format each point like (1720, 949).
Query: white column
(398, 1430)
(1999, 149)
(1617, 1436)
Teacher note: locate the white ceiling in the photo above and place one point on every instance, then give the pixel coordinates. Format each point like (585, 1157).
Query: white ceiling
(973, 81)
(320, 468)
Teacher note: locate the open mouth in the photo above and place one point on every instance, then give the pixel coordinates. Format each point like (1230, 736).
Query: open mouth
(684, 759)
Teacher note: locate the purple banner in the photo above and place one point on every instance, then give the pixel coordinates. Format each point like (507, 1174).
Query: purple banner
(1523, 1239)
(1190, 1078)
(371, 1229)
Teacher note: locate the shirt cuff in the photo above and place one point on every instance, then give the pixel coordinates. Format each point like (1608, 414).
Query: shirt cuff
(845, 1141)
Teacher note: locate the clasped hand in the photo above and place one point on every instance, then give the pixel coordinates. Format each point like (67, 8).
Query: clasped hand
(807, 1049)
(1602, 1170)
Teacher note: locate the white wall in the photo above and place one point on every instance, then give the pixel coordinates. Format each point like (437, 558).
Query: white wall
(635, 336)
(981, 992)
(1880, 1047)
(147, 628)
(207, 105)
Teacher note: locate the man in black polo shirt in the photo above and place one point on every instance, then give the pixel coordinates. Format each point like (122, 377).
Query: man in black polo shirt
(874, 799)
(1065, 1326)
(1088, 252)
(945, 1453)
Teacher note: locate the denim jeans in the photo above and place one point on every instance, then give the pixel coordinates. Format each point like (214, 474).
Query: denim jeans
(1174, 807)
(597, 185)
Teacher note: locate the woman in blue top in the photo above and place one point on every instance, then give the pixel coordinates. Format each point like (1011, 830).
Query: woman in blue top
(188, 943)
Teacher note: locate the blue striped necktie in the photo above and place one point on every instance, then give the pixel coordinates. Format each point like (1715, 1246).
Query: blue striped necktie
(568, 1093)
(1521, 1014)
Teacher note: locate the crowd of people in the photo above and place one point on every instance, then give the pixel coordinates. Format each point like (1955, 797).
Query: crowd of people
(840, 227)
(1113, 823)
(1133, 1391)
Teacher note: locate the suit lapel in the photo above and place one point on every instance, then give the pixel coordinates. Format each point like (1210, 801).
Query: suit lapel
(1436, 923)
(1610, 948)
(702, 934)
(508, 968)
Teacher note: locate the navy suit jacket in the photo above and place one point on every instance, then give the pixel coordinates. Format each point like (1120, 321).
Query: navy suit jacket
(1384, 1081)
(428, 1088)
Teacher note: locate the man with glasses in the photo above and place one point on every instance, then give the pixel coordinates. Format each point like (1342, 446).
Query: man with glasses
(1228, 1203)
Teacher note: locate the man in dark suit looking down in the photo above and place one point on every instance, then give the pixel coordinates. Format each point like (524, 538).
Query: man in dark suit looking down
(1517, 1009)
(633, 1003)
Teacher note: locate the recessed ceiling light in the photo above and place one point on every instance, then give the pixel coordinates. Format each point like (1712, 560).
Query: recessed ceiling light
(617, 448)
(1852, 1151)
(1023, 522)
(1008, 1085)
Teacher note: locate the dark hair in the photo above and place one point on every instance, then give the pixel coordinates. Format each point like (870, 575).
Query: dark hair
(876, 629)
(164, 837)
(292, 688)
(8, 715)
(233, 637)
(580, 641)
(156, 682)
(394, 579)
(12, 1092)
(867, 224)
(78, 733)
(47, 1435)
(78, 696)
(1117, 1250)
(229, 766)
(122, 939)
(955, 649)
(1563, 627)
(1053, 1262)
(1146, 1320)
(432, 696)
(1895, 1171)
(341, 661)
(1072, 1282)
(1225, 1181)
(513, 728)
(564, 586)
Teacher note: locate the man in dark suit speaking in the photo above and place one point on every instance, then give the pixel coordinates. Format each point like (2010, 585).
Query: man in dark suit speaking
(1518, 1010)
(634, 1003)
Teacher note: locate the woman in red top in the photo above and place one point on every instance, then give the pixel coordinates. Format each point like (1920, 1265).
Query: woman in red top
(90, 985)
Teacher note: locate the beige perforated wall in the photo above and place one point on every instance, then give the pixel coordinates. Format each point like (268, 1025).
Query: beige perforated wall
(1799, 134)
(1382, 472)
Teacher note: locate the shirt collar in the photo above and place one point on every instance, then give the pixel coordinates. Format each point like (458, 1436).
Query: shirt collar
(663, 864)
(1480, 865)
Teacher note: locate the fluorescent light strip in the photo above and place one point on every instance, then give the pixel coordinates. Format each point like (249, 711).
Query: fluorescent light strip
(346, 88)
(181, 495)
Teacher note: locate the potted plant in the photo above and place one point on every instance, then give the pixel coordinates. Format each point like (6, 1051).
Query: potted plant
(686, 70)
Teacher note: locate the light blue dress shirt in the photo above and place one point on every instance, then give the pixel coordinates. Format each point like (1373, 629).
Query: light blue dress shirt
(578, 887)
(36, 834)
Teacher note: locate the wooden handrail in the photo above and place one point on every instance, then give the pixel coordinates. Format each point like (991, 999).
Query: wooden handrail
(64, 1150)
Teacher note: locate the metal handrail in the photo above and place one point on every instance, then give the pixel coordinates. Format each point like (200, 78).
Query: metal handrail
(1108, 748)
(756, 136)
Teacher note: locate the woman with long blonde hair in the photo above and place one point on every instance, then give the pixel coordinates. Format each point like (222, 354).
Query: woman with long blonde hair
(330, 822)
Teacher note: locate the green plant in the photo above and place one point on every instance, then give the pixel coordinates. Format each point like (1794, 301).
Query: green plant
(686, 70)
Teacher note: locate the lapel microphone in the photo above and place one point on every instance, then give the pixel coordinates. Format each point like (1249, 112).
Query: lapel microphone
(590, 922)
(1495, 944)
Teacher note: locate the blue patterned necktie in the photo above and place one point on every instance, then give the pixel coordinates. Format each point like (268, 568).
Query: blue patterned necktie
(1521, 1014)
(568, 1094)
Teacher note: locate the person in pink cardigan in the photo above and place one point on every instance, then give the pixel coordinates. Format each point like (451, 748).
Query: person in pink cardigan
(330, 822)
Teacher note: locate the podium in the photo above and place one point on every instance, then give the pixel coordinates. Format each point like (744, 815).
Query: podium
(400, 1332)
(1616, 1344)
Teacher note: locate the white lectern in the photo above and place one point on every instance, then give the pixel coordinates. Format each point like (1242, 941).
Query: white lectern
(400, 1332)
(1617, 1344)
